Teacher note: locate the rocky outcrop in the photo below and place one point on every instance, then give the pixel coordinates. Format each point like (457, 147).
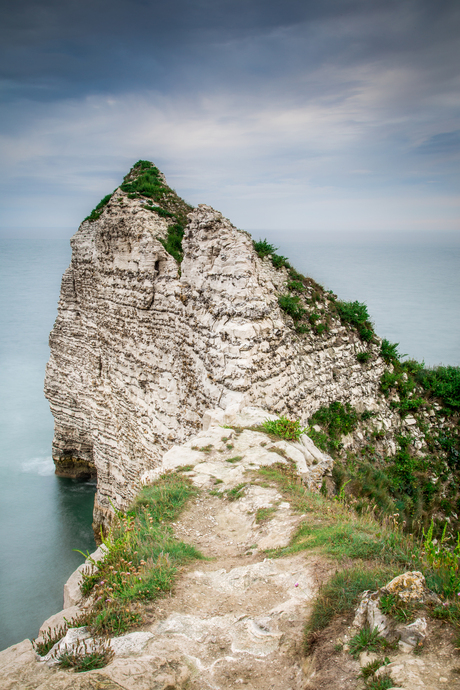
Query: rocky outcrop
(142, 346)
(236, 618)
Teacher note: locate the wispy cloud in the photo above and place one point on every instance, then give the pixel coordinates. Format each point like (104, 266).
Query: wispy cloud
(278, 119)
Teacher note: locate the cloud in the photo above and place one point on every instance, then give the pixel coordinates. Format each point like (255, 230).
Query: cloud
(274, 113)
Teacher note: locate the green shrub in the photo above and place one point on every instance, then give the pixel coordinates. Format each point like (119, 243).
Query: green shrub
(96, 212)
(279, 261)
(264, 248)
(295, 286)
(173, 242)
(337, 420)
(292, 306)
(389, 352)
(320, 328)
(363, 357)
(356, 314)
(442, 382)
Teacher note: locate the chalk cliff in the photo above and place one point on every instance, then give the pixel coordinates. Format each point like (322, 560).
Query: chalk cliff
(143, 344)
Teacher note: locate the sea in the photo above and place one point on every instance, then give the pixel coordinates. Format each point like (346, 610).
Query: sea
(412, 292)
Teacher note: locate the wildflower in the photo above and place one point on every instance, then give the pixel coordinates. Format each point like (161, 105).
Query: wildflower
(296, 584)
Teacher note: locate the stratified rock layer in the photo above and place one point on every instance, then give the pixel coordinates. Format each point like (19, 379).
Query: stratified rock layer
(140, 348)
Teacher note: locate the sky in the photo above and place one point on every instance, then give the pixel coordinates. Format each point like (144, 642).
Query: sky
(297, 117)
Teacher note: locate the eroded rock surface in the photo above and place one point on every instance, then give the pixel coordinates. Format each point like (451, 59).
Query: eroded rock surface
(140, 350)
(235, 619)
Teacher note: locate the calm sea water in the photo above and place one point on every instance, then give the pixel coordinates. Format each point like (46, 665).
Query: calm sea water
(412, 295)
(42, 517)
(412, 292)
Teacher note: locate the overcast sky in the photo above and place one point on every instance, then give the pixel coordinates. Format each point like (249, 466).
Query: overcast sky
(297, 116)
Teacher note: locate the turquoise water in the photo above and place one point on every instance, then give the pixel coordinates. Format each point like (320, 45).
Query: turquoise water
(412, 291)
(412, 294)
(42, 517)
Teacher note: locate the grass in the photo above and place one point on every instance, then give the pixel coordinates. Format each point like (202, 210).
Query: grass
(366, 640)
(342, 540)
(285, 428)
(143, 557)
(369, 553)
(383, 682)
(49, 639)
(237, 458)
(82, 658)
(394, 606)
(369, 669)
(340, 595)
(237, 491)
(264, 514)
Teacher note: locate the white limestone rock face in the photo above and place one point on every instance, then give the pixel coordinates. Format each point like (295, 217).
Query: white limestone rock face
(140, 350)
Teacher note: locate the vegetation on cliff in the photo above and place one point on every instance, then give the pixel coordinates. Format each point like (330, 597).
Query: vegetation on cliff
(143, 557)
(145, 181)
(370, 552)
(420, 479)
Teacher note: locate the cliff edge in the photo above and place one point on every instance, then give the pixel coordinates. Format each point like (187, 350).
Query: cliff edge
(166, 311)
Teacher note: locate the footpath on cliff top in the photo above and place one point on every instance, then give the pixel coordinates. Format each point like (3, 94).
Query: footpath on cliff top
(237, 618)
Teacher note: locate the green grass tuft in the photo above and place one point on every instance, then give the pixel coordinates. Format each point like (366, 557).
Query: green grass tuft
(285, 428)
(365, 640)
(84, 658)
